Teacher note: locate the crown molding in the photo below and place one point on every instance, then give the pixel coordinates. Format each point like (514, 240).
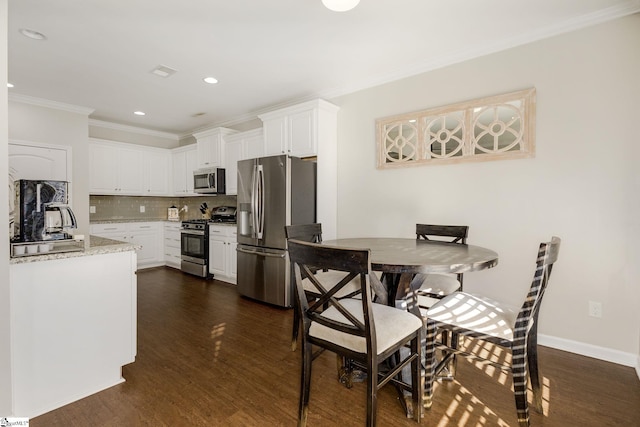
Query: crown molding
(133, 129)
(24, 99)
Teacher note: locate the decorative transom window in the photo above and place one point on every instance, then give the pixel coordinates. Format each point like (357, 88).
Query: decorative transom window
(494, 128)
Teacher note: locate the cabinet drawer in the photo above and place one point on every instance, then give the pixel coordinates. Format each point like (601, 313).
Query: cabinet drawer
(108, 228)
(143, 226)
(223, 230)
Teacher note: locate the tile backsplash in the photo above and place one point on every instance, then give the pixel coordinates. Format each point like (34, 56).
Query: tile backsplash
(128, 208)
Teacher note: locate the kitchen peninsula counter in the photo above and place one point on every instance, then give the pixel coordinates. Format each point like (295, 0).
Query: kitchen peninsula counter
(94, 246)
(73, 323)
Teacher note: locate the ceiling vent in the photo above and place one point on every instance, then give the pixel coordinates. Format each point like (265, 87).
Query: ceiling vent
(163, 71)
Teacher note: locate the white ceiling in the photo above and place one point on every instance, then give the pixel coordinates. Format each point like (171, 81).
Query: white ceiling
(99, 54)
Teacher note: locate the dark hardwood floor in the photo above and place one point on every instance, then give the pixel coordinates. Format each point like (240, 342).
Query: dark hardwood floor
(207, 357)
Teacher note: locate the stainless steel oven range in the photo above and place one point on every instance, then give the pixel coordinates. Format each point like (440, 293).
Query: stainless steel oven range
(194, 247)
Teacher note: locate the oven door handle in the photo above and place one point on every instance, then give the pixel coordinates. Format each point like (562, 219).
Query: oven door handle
(260, 253)
(192, 233)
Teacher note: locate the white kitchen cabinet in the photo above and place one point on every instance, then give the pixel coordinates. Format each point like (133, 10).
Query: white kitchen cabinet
(184, 162)
(298, 130)
(114, 169)
(241, 146)
(127, 169)
(172, 244)
(211, 147)
(222, 252)
(155, 172)
(148, 235)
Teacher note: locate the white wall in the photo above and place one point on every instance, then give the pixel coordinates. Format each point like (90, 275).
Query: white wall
(583, 184)
(35, 123)
(5, 314)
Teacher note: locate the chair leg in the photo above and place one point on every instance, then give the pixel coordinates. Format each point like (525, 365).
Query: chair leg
(519, 371)
(532, 362)
(417, 379)
(296, 328)
(372, 389)
(430, 362)
(305, 383)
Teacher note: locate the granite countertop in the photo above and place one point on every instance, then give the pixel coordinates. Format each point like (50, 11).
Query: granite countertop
(94, 246)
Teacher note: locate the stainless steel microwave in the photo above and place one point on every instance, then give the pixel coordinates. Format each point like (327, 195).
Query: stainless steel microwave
(209, 181)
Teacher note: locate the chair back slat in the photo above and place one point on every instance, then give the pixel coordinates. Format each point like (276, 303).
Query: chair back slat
(305, 257)
(547, 256)
(457, 233)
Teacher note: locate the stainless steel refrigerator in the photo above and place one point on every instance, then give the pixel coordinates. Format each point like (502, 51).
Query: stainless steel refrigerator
(272, 192)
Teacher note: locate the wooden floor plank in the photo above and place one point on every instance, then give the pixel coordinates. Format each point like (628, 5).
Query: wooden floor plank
(208, 357)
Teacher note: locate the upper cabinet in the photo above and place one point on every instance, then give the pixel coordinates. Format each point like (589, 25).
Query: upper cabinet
(211, 147)
(240, 146)
(298, 130)
(184, 161)
(127, 169)
(114, 168)
(156, 172)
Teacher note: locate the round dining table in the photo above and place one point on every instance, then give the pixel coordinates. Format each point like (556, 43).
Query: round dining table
(405, 262)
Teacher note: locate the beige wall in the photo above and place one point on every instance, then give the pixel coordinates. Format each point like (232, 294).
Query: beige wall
(583, 184)
(5, 309)
(35, 123)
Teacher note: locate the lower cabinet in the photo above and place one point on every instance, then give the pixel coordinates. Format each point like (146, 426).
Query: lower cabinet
(223, 240)
(172, 244)
(148, 235)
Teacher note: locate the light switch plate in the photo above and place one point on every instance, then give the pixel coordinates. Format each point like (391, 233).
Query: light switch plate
(92, 209)
(141, 208)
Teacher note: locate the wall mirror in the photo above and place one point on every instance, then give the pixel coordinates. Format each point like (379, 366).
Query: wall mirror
(492, 128)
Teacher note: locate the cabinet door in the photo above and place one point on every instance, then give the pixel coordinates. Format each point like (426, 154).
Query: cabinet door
(301, 134)
(233, 258)
(179, 172)
(254, 147)
(233, 153)
(103, 175)
(209, 151)
(275, 134)
(217, 256)
(156, 173)
(129, 169)
(150, 244)
(191, 160)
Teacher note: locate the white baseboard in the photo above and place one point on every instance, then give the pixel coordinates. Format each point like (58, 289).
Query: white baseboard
(589, 350)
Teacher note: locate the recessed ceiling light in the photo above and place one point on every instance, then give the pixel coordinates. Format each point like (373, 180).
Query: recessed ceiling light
(139, 113)
(340, 5)
(210, 80)
(32, 34)
(9, 84)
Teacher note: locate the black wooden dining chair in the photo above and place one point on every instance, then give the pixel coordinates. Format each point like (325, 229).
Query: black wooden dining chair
(485, 320)
(360, 330)
(436, 286)
(313, 233)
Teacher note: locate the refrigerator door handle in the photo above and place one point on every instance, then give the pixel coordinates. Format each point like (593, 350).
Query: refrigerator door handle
(260, 253)
(260, 201)
(254, 204)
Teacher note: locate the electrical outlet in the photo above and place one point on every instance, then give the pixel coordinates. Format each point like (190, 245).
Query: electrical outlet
(92, 209)
(141, 208)
(595, 309)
